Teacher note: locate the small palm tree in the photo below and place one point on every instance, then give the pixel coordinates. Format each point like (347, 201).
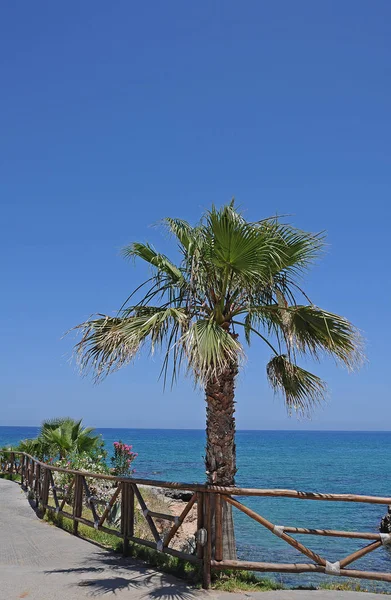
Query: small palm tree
(32, 446)
(65, 435)
(233, 276)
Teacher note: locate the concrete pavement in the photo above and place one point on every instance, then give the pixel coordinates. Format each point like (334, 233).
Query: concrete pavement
(42, 562)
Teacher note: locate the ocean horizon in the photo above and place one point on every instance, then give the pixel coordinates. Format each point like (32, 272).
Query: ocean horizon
(356, 462)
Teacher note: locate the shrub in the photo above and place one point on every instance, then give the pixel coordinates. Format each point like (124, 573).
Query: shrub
(100, 488)
(122, 460)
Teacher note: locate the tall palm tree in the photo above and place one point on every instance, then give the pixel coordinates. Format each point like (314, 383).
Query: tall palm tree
(233, 276)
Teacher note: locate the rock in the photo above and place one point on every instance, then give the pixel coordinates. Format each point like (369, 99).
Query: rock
(385, 523)
(182, 495)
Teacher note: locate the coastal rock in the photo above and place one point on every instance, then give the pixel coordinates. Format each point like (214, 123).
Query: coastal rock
(182, 495)
(385, 523)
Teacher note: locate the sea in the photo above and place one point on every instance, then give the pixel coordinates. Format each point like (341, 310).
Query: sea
(317, 461)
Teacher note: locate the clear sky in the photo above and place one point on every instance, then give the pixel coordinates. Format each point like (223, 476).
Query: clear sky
(116, 114)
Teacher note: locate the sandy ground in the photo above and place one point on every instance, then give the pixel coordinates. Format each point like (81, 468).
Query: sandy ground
(188, 527)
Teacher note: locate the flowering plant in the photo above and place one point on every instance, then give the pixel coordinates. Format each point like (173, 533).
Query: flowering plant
(100, 488)
(122, 459)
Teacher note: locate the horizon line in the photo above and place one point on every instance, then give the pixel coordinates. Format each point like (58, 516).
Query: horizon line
(237, 430)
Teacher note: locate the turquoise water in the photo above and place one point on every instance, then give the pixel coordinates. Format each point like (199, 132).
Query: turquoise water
(355, 462)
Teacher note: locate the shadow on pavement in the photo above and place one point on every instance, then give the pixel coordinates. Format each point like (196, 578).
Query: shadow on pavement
(127, 575)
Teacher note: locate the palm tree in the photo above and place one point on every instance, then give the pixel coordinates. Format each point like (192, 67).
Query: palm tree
(233, 276)
(32, 446)
(65, 435)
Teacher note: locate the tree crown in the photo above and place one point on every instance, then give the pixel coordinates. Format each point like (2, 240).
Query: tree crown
(233, 275)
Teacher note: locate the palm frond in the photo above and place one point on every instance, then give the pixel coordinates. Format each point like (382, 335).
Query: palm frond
(104, 346)
(314, 330)
(256, 252)
(109, 343)
(209, 349)
(182, 230)
(160, 261)
(297, 249)
(75, 429)
(302, 389)
(264, 317)
(55, 423)
(32, 446)
(236, 245)
(59, 438)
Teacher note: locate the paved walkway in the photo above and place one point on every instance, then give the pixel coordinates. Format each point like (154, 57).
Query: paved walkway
(41, 562)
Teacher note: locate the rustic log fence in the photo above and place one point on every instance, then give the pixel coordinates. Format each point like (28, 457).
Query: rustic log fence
(37, 477)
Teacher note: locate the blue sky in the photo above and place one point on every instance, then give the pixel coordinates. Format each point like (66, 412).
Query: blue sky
(116, 114)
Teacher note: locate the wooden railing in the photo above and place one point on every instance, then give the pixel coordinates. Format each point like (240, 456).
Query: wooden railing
(37, 477)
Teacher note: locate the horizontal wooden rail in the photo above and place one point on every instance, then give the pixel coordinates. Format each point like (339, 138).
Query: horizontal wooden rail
(360, 535)
(162, 516)
(277, 493)
(231, 491)
(188, 557)
(295, 568)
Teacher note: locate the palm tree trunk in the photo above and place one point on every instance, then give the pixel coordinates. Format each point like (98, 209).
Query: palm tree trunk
(220, 459)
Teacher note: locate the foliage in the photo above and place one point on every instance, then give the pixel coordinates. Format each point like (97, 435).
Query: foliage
(122, 459)
(236, 581)
(66, 436)
(102, 489)
(352, 585)
(100, 537)
(8, 477)
(32, 446)
(62, 437)
(234, 275)
(5, 453)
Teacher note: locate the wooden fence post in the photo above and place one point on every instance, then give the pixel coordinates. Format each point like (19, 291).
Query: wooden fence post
(206, 571)
(127, 514)
(218, 515)
(12, 463)
(45, 491)
(37, 484)
(31, 478)
(22, 470)
(77, 502)
(27, 473)
(200, 522)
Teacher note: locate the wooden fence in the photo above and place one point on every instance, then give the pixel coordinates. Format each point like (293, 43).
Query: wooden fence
(37, 477)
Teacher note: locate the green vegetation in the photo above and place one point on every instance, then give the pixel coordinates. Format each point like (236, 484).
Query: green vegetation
(108, 541)
(352, 585)
(237, 581)
(62, 437)
(8, 477)
(122, 459)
